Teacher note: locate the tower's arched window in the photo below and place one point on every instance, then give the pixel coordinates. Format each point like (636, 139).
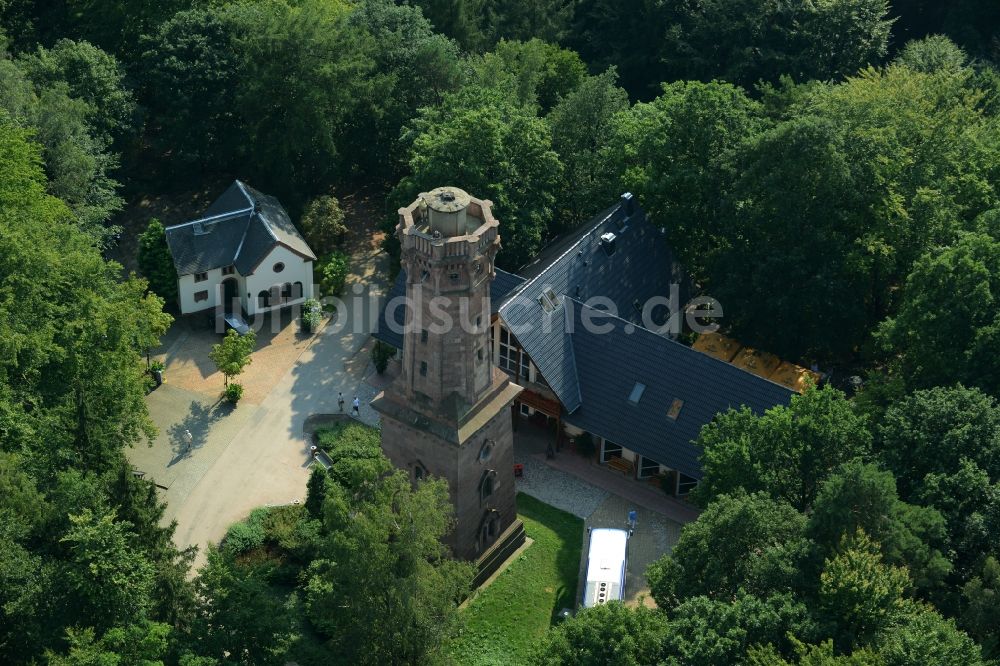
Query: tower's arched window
(489, 529)
(487, 484)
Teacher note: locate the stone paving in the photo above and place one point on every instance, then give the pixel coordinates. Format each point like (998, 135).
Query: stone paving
(557, 488)
(655, 532)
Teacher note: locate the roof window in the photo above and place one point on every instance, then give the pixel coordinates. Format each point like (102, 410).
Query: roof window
(675, 409)
(549, 300)
(636, 394)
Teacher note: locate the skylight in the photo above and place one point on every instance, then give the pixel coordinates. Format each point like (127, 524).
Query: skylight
(675, 409)
(636, 394)
(549, 300)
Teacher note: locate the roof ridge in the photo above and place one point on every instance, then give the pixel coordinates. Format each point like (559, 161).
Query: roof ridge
(639, 327)
(217, 217)
(555, 261)
(240, 184)
(572, 358)
(239, 248)
(267, 226)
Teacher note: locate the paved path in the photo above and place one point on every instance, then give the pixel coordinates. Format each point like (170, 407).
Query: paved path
(259, 454)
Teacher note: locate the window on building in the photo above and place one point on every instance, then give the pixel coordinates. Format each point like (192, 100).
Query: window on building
(453, 277)
(419, 473)
(228, 270)
(297, 290)
(525, 410)
(486, 485)
(489, 529)
(610, 450)
(675, 409)
(286, 291)
(648, 467)
(423, 335)
(264, 298)
(511, 355)
(278, 267)
(200, 277)
(479, 353)
(549, 299)
(685, 484)
(423, 368)
(486, 452)
(636, 393)
(200, 296)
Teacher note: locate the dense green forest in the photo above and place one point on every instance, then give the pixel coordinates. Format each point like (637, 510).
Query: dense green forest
(828, 169)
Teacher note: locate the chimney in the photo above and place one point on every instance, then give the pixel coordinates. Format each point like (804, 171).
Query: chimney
(628, 204)
(608, 243)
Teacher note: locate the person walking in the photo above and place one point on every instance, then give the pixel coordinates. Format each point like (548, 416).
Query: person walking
(340, 401)
(356, 407)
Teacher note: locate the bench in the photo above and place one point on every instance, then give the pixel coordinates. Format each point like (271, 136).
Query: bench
(620, 464)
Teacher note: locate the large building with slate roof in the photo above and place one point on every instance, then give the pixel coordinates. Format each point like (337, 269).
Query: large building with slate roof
(243, 253)
(587, 329)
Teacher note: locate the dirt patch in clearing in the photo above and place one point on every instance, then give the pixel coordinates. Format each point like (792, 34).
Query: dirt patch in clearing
(170, 208)
(364, 212)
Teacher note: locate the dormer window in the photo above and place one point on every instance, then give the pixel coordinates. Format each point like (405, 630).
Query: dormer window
(200, 277)
(228, 270)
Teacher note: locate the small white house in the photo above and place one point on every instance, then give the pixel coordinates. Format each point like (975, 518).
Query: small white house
(244, 253)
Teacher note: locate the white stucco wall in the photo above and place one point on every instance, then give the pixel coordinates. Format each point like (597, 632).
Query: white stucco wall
(296, 269)
(187, 288)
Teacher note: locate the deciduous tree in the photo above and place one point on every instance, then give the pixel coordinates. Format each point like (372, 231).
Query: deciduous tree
(787, 452)
(233, 354)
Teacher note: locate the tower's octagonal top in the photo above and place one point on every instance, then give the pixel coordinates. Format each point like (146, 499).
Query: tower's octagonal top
(447, 199)
(448, 222)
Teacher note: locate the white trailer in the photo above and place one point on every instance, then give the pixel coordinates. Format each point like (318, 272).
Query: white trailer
(606, 561)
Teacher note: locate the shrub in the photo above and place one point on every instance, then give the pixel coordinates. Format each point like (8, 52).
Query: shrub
(332, 273)
(233, 393)
(246, 535)
(585, 445)
(311, 315)
(156, 263)
(381, 354)
(323, 224)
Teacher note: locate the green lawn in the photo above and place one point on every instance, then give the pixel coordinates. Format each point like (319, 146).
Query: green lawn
(506, 620)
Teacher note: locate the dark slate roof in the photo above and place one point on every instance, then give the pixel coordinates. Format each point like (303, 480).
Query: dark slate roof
(502, 284)
(241, 227)
(610, 364)
(579, 268)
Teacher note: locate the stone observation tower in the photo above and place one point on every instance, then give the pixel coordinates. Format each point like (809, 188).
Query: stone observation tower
(448, 414)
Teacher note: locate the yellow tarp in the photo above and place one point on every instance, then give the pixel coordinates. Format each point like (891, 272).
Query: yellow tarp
(794, 377)
(759, 363)
(717, 345)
